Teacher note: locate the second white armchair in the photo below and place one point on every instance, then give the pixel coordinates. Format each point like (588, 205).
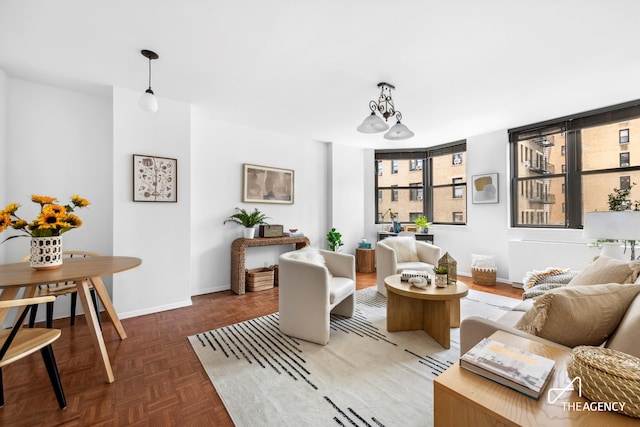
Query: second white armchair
(395, 254)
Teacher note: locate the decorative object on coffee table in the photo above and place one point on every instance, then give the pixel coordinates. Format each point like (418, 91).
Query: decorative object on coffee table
(451, 266)
(440, 276)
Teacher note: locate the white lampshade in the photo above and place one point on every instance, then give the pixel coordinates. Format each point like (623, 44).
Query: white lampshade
(373, 124)
(398, 131)
(148, 102)
(624, 225)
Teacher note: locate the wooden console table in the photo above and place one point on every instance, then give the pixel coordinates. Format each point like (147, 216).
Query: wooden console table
(239, 250)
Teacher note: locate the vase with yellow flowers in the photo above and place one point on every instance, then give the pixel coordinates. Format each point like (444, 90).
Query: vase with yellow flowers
(46, 229)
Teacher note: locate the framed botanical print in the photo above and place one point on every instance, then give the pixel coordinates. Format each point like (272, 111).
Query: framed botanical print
(155, 179)
(264, 184)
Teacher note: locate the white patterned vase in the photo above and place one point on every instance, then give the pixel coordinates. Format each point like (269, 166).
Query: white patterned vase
(441, 280)
(46, 252)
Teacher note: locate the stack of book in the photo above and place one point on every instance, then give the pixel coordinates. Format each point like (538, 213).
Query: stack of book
(518, 369)
(408, 274)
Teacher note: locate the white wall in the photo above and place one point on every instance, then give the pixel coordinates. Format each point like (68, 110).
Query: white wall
(218, 153)
(347, 198)
(58, 143)
(159, 233)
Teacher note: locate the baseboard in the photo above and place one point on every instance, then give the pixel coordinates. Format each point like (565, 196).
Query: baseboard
(155, 309)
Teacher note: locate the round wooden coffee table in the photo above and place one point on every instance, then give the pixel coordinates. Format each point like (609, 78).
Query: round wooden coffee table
(432, 309)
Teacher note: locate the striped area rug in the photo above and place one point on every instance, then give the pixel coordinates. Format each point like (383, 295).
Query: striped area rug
(365, 376)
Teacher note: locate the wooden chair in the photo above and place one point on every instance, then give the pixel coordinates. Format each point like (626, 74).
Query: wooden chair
(19, 342)
(59, 289)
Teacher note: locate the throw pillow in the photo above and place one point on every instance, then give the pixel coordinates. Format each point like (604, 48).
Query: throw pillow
(607, 270)
(308, 254)
(581, 315)
(405, 248)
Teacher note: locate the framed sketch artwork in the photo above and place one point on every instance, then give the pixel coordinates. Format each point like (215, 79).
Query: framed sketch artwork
(155, 179)
(484, 188)
(263, 184)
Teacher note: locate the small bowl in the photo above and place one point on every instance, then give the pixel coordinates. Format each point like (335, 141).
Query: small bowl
(293, 230)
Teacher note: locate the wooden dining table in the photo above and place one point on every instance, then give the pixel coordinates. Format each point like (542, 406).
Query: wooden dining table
(16, 276)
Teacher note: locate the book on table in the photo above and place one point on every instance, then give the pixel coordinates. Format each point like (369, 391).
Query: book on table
(518, 369)
(408, 274)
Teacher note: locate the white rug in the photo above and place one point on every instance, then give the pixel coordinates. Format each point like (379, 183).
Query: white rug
(365, 376)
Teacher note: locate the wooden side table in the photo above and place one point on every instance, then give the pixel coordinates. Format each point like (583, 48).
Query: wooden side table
(463, 398)
(365, 260)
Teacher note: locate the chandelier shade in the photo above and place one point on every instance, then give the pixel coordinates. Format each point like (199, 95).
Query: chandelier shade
(385, 108)
(398, 131)
(148, 101)
(373, 124)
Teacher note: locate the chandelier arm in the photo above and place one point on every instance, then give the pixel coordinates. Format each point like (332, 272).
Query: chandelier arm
(373, 106)
(398, 115)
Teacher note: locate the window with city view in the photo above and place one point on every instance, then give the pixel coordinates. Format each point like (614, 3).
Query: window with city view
(566, 167)
(429, 182)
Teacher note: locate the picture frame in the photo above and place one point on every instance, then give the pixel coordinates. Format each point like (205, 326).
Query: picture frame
(265, 184)
(484, 188)
(155, 179)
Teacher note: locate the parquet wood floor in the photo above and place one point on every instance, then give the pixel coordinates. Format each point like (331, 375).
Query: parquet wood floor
(159, 380)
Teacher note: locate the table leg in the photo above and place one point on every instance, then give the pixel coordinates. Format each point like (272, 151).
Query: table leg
(94, 327)
(455, 314)
(437, 318)
(98, 285)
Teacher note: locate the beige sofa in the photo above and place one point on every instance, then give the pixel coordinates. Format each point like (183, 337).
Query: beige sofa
(584, 312)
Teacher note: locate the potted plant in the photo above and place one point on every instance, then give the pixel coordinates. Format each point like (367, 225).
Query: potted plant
(335, 240)
(441, 276)
(422, 224)
(248, 220)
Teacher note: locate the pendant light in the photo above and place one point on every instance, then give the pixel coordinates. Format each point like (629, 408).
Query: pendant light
(148, 101)
(374, 123)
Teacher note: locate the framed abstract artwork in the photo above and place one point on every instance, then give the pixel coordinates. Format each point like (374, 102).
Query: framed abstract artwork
(484, 188)
(155, 179)
(263, 184)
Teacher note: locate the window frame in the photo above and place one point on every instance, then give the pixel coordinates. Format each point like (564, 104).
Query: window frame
(426, 155)
(572, 168)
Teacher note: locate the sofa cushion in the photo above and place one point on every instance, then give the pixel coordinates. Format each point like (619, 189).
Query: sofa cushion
(420, 266)
(405, 248)
(579, 315)
(340, 288)
(607, 270)
(625, 337)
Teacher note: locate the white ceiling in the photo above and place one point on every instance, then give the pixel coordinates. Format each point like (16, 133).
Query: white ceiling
(309, 68)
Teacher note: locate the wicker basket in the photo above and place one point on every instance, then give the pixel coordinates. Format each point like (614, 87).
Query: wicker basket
(607, 376)
(259, 279)
(484, 276)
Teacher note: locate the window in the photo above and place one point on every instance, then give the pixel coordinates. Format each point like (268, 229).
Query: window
(423, 184)
(415, 193)
(542, 195)
(625, 182)
(625, 160)
(379, 166)
(458, 189)
(623, 136)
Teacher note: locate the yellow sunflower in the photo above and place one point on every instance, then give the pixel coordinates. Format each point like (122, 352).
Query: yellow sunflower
(19, 224)
(43, 200)
(48, 220)
(57, 210)
(5, 220)
(79, 201)
(12, 208)
(73, 221)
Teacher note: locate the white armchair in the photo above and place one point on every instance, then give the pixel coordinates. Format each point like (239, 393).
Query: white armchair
(395, 254)
(313, 284)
